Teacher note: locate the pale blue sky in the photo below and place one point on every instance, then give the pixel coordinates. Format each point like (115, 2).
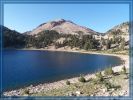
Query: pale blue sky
(99, 17)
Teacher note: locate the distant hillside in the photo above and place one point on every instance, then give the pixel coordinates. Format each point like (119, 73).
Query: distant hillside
(12, 38)
(62, 27)
(121, 30)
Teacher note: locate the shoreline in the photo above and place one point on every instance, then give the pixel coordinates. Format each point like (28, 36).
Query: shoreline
(58, 84)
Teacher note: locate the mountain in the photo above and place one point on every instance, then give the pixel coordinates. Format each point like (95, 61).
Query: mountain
(62, 27)
(26, 33)
(121, 30)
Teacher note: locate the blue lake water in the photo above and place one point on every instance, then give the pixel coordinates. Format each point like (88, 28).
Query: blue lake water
(23, 68)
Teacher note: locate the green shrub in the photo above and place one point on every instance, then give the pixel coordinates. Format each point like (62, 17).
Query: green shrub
(94, 81)
(26, 91)
(123, 70)
(99, 76)
(67, 82)
(108, 85)
(108, 71)
(81, 79)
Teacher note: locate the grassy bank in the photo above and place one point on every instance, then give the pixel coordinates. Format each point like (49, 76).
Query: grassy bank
(118, 52)
(111, 85)
(105, 83)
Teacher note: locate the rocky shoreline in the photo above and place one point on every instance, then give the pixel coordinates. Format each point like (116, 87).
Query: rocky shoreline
(55, 85)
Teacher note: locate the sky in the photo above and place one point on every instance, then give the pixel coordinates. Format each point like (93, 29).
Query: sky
(99, 17)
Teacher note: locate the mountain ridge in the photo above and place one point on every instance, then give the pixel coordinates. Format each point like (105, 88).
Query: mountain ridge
(62, 26)
(124, 26)
(117, 37)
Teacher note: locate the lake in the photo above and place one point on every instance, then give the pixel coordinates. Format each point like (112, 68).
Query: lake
(23, 68)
